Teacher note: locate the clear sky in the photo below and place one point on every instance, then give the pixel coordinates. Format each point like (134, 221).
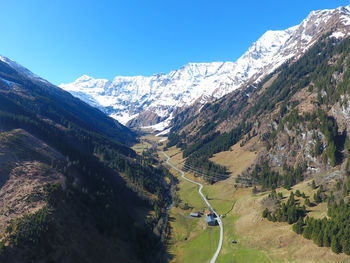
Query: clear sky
(60, 40)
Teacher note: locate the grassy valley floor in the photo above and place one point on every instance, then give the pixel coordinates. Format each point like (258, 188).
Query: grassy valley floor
(258, 240)
(192, 240)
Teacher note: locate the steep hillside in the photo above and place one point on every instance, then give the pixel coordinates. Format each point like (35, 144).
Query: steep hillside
(69, 184)
(55, 104)
(25, 169)
(292, 94)
(146, 101)
(297, 121)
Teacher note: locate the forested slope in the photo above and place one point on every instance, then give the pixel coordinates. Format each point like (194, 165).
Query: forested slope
(299, 119)
(82, 209)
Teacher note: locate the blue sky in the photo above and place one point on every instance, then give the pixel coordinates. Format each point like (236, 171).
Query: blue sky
(60, 40)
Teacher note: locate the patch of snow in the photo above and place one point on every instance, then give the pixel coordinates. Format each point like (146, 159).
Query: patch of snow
(165, 132)
(161, 126)
(345, 20)
(123, 117)
(22, 70)
(163, 139)
(337, 35)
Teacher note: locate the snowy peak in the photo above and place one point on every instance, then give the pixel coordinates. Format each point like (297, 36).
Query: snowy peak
(22, 70)
(84, 78)
(262, 52)
(269, 43)
(146, 101)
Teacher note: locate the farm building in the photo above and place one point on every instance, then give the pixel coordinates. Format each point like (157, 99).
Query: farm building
(209, 212)
(210, 220)
(194, 214)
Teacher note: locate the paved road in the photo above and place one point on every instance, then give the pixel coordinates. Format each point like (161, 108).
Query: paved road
(208, 204)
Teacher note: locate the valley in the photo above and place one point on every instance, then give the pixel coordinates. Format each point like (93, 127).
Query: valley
(258, 240)
(217, 162)
(210, 208)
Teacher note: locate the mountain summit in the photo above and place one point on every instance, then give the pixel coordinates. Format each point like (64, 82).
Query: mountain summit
(150, 101)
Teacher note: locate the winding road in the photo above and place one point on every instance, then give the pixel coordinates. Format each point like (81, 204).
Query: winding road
(208, 204)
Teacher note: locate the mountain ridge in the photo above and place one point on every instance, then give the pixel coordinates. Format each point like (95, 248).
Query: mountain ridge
(69, 183)
(124, 98)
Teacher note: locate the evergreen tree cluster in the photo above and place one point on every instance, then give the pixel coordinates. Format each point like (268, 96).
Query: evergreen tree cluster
(333, 232)
(294, 77)
(201, 150)
(289, 212)
(292, 176)
(270, 179)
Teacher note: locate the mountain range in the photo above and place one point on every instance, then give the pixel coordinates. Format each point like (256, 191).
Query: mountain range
(153, 101)
(277, 119)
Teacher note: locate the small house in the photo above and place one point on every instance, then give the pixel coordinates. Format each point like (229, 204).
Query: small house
(210, 220)
(193, 214)
(209, 212)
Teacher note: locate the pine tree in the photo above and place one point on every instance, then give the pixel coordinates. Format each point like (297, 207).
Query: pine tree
(273, 218)
(313, 184)
(345, 190)
(317, 197)
(346, 245)
(307, 202)
(314, 235)
(319, 239)
(326, 241)
(278, 215)
(291, 200)
(298, 226)
(335, 245)
(292, 215)
(307, 231)
(265, 213)
(269, 217)
(331, 153)
(318, 147)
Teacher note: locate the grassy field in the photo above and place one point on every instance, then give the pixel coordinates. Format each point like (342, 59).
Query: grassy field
(140, 147)
(192, 242)
(259, 240)
(225, 199)
(191, 239)
(237, 159)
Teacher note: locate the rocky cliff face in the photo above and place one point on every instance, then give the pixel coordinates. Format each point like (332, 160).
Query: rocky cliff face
(125, 98)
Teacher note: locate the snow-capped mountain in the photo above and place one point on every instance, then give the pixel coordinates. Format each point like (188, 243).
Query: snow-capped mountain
(145, 101)
(22, 70)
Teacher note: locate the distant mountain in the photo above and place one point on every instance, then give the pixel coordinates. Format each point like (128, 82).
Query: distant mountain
(152, 100)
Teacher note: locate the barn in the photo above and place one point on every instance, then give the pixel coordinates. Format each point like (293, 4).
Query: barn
(210, 220)
(193, 214)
